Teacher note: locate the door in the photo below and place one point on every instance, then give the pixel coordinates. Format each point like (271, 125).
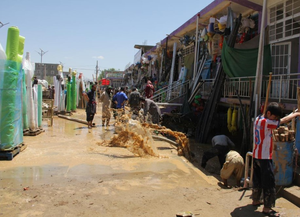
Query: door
(281, 59)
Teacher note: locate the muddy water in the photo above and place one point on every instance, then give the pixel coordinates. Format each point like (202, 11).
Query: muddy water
(65, 173)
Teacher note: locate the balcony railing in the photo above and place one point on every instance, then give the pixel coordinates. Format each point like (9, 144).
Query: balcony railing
(283, 87)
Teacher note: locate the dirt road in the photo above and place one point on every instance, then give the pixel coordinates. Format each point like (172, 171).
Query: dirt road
(64, 172)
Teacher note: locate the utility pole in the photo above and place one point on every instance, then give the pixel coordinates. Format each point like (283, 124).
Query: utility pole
(97, 80)
(97, 71)
(42, 53)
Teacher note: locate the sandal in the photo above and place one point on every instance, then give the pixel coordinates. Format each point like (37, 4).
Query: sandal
(271, 213)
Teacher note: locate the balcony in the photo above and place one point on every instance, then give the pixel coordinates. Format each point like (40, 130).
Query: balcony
(283, 89)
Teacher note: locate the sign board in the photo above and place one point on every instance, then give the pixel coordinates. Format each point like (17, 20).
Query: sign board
(118, 74)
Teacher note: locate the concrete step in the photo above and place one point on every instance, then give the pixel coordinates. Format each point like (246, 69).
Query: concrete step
(292, 193)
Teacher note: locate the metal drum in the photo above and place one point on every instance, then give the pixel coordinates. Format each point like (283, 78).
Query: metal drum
(283, 155)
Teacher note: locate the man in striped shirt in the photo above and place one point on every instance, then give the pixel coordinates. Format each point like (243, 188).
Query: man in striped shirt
(263, 175)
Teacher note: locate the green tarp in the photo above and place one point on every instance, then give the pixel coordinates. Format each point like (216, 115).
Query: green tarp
(242, 62)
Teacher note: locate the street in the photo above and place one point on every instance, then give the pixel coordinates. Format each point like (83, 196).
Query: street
(67, 171)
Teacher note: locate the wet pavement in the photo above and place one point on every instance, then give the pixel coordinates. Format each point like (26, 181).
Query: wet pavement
(65, 171)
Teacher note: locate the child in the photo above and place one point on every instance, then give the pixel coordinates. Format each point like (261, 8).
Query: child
(263, 175)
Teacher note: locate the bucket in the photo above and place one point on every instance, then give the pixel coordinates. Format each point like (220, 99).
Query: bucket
(283, 162)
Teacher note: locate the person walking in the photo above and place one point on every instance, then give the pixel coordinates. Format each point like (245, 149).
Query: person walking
(105, 98)
(221, 145)
(91, 105)
(134, 101)
(263, 171)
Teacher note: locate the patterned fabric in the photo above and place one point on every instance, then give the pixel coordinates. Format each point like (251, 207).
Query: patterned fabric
(263, 137)
(105, 99)
(149, 90)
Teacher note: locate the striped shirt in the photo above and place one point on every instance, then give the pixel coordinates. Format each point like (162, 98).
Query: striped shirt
(263, 146)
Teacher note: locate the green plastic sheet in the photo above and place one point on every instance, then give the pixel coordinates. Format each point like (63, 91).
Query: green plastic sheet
(69, 97)
(242, 62)
(11, 126)
(73, 91)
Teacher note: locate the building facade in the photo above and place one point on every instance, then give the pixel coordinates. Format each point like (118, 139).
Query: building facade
(44, 70)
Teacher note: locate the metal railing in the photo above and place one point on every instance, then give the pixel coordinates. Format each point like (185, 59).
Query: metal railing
(172, 92)
(283, 87)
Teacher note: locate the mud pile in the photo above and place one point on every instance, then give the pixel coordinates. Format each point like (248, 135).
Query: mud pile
(183, 147)
(132, 135)
(137, 137)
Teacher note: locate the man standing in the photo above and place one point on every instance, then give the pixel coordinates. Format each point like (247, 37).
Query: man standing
(234, 165)
(91, 105)
(263, 172)
(120, 98)
(152, 108)
(219, 148)
(105, 98)
(35, 81)
(134, 101)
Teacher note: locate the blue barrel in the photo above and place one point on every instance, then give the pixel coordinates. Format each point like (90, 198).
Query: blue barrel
(283, 162)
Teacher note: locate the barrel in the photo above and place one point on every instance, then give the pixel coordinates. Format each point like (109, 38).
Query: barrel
(283, 162)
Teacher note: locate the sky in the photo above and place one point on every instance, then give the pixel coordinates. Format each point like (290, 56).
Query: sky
(78, 33)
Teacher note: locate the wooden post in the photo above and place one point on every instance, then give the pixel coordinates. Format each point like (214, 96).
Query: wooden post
(293, 127)
(268, 93)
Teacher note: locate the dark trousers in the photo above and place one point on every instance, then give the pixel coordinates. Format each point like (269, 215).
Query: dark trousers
(90, 116)
(264, 182)
(218, 150)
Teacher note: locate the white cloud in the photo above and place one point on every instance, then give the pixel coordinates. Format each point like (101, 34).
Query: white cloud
(98, 57)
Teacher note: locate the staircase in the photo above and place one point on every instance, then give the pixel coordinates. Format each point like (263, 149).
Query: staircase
(172, 92)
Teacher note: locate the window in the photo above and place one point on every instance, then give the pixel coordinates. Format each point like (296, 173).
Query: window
(284, 20)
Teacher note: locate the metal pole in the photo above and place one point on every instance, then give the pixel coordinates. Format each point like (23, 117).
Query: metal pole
(166, 54)
(196, 48)
(259, 66)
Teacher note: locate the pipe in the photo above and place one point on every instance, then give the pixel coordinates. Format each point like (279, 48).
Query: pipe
(165, 139)
(73, 119)
(196, 48)
(248, 155)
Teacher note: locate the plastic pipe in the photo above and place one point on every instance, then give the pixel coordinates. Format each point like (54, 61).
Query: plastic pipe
(68, 97)
(24, 100)
(9, 92)
(28, 67)
(73, 91)
(40, 99)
